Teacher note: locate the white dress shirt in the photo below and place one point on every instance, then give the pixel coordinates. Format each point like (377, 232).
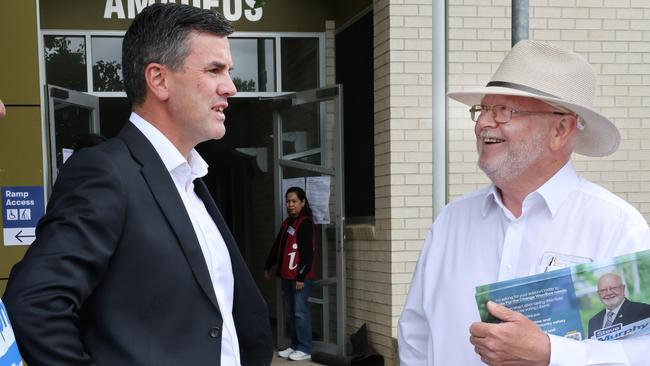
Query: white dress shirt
(476, 240)
(215, 251)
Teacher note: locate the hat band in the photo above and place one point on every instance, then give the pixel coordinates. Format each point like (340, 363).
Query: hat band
(525, 88)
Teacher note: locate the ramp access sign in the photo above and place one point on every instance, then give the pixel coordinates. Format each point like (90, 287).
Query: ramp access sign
(22, 207)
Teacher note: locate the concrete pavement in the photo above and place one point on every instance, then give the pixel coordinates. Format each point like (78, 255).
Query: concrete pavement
(278, 361)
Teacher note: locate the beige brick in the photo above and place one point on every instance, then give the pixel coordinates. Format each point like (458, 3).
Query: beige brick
(589, 3)
(601, 13)
(577, 13)
(616, 3)
(562, 3)
(614, 46)
(547, 35)
(629, 58)
(417, 22)
(629, 36)
(616, 24)
(562, 23)
(629, 14)
(462, 11)
(640, 24)
(492, 34)
(590, 24)
(462, 33)
(547, 12)
(503, 23)
(614, 69)
(574, 35)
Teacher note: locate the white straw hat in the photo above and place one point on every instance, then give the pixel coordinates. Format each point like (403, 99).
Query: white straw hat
(556, 76)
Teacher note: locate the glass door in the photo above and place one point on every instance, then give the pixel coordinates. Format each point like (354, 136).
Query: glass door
(308, 152)
(72, 115)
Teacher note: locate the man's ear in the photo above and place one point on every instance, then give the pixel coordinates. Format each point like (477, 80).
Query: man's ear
(155, 75)
(563, 130)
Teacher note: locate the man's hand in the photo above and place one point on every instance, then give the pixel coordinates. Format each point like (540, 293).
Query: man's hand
(516, 341)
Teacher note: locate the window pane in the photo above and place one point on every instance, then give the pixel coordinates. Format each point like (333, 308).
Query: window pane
(107, 64)
(65, 62)
(254, 61)
(299, 64)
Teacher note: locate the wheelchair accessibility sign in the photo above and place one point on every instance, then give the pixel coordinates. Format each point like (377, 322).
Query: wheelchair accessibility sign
(22, 207)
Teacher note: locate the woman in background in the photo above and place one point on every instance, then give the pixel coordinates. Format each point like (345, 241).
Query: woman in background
(294, 251)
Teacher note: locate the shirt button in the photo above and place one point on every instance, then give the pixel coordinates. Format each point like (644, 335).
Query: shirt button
(215, 332)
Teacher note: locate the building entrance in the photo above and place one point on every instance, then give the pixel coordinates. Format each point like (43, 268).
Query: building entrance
(247, 169)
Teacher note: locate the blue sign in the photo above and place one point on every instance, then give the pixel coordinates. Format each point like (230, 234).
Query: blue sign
(22, 207)
(9, 355)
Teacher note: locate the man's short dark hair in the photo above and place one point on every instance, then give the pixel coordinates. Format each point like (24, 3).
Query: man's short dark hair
(159, 34)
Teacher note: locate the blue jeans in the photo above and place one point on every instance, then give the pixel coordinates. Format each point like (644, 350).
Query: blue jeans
(297, 314)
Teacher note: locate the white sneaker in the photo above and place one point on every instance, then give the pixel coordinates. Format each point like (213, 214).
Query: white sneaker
(285, 353)
(299, 356)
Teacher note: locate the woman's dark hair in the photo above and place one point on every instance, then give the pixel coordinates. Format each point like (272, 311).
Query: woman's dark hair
(300, 193)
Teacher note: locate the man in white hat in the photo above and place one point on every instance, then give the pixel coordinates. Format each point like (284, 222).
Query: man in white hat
(536, 111)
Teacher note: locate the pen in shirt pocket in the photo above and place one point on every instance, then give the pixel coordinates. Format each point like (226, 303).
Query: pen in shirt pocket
(550, 264)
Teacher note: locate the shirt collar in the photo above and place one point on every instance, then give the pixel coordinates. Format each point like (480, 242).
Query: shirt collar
(171, 157)
(557, 189)
(553, 192)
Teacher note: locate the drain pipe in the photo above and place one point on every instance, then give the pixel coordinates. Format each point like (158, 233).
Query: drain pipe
(439, 105)
(519, 20)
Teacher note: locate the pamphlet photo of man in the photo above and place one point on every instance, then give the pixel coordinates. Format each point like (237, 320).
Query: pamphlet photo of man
(618, 309)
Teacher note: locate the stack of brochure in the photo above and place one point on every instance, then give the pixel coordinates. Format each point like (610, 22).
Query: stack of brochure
(572, 301)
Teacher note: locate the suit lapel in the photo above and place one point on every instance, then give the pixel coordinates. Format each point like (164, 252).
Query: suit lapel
(164, 191)
(622, 311)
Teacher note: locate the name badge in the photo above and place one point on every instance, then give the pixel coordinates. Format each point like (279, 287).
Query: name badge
(291, 230)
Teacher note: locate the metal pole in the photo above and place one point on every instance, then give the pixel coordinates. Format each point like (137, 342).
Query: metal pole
(439, 105)
(519, 20)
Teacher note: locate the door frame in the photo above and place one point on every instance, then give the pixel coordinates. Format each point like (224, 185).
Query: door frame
(318, 95)
(67, 97)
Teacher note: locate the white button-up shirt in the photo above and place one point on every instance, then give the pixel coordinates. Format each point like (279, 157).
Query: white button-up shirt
(476, 240)
(215, 252)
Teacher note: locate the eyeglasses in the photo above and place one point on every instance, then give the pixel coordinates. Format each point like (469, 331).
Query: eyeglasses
(502, 113)
(603, 291)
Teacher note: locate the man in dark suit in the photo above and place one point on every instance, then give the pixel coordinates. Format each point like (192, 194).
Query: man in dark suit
(618, 309)
(133, 264)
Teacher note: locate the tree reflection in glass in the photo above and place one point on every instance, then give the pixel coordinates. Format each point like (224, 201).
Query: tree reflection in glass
(107, 64)
(65, 62)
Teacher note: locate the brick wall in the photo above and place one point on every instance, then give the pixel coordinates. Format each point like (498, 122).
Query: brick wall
(381, 258)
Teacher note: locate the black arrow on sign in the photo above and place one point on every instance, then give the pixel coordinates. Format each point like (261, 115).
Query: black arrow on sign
(18, 236)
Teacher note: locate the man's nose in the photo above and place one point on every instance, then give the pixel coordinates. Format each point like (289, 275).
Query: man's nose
(486, 119)
(227, 88)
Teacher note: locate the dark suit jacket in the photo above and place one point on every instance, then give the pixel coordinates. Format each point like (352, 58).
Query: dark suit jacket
(116, 275)
(629, 313)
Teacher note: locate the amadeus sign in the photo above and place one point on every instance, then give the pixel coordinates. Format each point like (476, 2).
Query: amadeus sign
(231, 9)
